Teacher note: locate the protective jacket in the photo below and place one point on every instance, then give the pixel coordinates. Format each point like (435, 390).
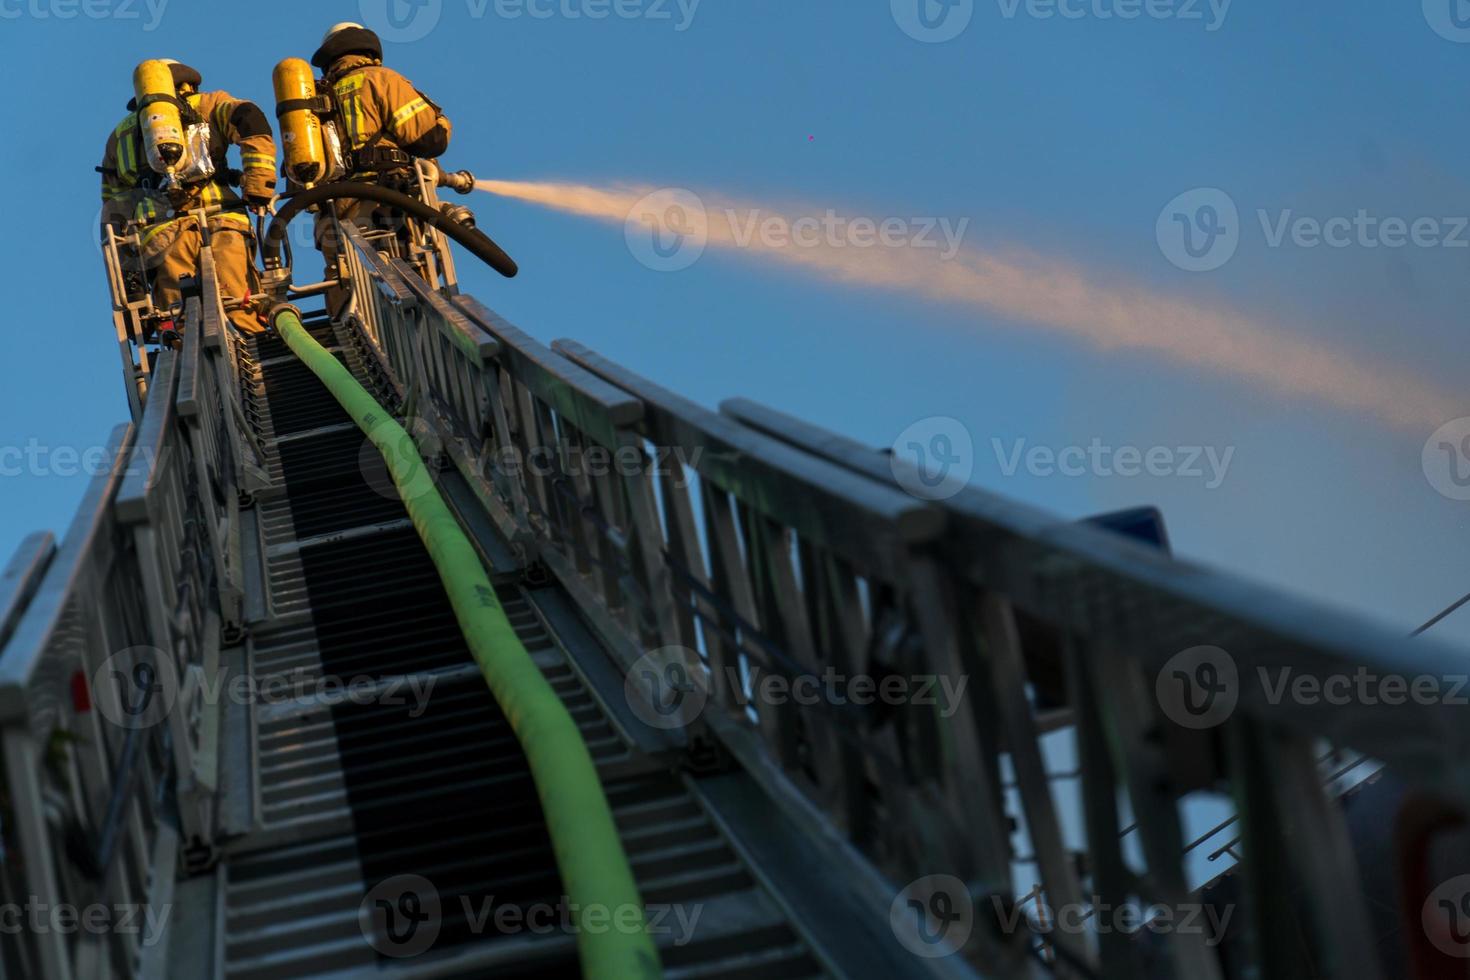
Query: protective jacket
(381, 110)
(130, 188)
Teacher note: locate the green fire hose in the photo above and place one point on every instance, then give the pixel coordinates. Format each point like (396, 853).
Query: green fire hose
(612, 938)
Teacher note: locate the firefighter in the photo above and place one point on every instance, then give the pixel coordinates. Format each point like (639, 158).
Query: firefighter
(385, 122)
(171, 238)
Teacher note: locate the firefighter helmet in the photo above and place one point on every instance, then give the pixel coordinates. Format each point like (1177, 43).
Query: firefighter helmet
(344, 39)
(184, 76)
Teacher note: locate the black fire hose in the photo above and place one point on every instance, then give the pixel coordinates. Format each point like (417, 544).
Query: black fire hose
(473, 239)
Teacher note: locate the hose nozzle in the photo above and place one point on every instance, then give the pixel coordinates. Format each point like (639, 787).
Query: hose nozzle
(459, 181)
(458, 212)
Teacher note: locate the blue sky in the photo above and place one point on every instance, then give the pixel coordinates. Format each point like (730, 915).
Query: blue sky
(1062, 135)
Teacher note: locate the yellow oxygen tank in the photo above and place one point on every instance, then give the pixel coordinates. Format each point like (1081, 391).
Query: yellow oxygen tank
(158, 113)
(301, 128)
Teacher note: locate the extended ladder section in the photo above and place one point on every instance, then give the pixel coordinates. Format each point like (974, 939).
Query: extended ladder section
(842, 730)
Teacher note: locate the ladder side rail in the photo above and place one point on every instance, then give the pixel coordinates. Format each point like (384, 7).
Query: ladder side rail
(1086, 581)
(220, 352)
(205, 415)
(784, 541)
(84, 780)
(1135, 610)
(161, 503)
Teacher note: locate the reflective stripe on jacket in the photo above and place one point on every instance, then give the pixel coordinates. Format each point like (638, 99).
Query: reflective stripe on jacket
(377, 102)
(124, 164)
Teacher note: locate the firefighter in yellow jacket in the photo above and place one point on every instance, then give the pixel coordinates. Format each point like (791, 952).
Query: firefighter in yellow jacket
(385, 123)
(171, 237)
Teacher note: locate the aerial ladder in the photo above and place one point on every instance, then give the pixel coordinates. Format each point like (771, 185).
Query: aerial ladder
(264, 705)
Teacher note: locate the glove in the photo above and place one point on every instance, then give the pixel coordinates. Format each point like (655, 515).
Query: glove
(259, 187)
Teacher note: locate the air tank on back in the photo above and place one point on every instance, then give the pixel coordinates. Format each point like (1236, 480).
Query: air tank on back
(301, 128)
(158, 115)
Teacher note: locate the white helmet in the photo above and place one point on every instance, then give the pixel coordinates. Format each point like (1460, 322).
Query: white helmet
(183, 74)
(340, 27)
(344, 39)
